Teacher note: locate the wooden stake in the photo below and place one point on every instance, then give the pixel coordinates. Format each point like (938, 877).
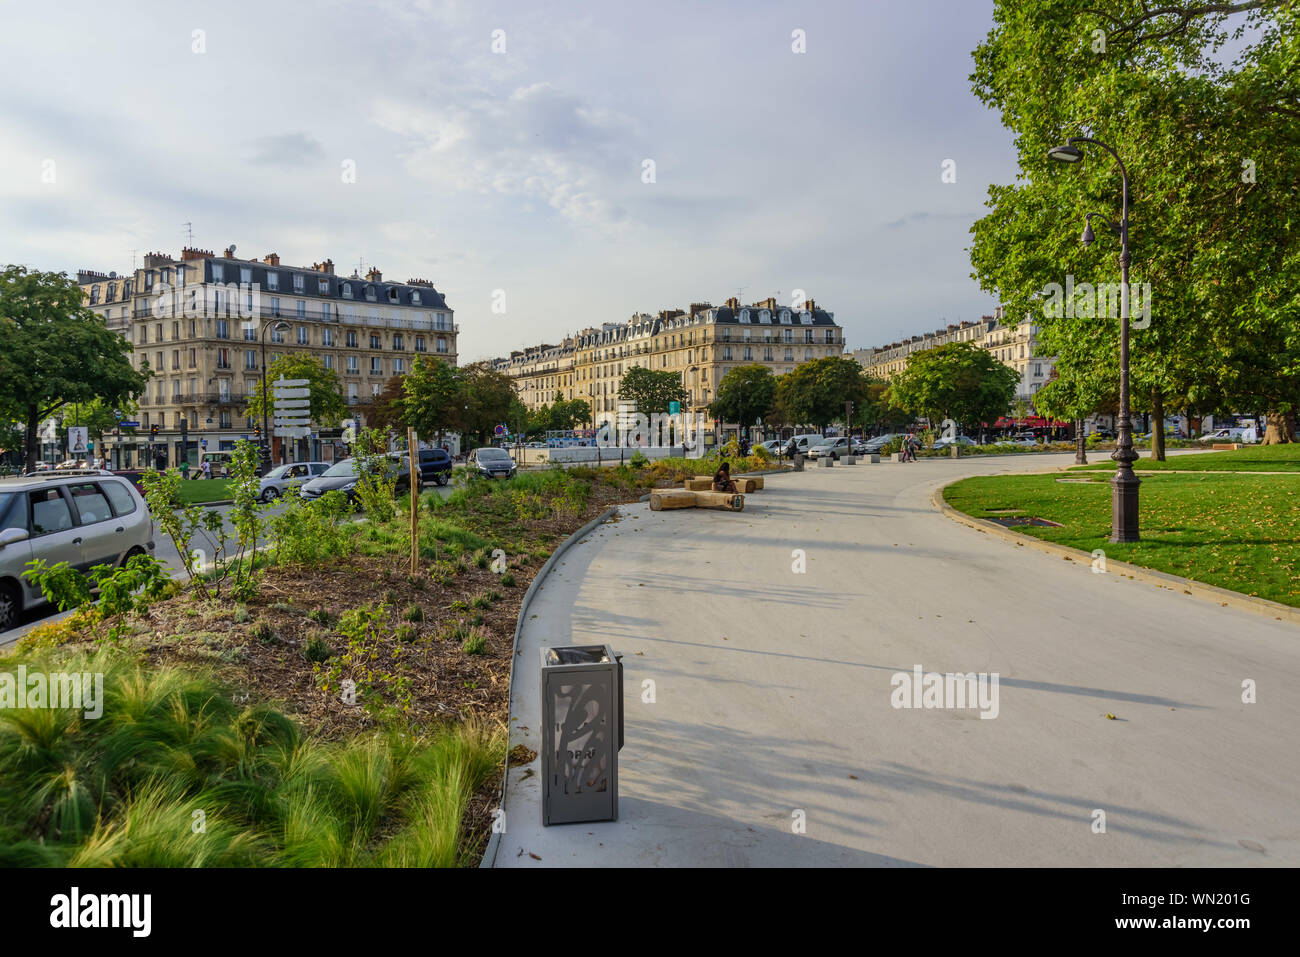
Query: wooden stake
(414, 454)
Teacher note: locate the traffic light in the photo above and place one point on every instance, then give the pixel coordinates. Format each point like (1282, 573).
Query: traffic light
(257, 432)
(153, 431)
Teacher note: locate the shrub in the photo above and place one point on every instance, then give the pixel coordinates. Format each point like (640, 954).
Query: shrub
(322, 617)
(508, 580)
(317, 648)
(474, 644)
(413, 613)
(406, 633)
(264, 634)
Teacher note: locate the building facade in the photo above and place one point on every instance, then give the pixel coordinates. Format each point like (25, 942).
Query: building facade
(197, 323)
(701, 345)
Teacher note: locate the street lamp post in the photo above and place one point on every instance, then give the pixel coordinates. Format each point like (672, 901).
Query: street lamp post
(280, 326)
(1124, 485)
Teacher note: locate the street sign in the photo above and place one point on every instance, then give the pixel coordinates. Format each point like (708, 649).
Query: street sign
(281, 394)
(290, 383)
(129, 425)
(292, 404)
(290, 422)
(674, 408)
(293, 431)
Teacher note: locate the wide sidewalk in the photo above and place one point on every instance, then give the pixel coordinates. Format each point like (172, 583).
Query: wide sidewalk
(772, 693)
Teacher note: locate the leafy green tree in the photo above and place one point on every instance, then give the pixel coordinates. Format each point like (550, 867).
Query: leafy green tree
(815, 392)
(652, 390)
(1210, 144)
(745, 394)
(957, 381)
(56, 351)
(430, 399)
(328, 406)
(487, 400)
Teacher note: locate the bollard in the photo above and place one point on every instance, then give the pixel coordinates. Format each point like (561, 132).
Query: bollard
(875, 459)
(825, 461)
(798, 461)
(849, 460)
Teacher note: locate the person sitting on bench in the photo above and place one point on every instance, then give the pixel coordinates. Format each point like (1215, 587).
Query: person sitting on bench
(722, 479)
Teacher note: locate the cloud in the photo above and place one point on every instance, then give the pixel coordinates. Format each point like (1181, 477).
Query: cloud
(286, 149)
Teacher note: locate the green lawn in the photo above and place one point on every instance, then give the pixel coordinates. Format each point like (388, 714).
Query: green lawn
(1240, 532)
(1253, 458)
(198, 491)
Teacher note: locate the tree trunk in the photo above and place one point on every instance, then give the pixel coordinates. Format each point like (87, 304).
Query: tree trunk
(1281, 428)
(1158, 426)
(32, 423)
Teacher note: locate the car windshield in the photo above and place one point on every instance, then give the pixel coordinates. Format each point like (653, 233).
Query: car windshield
(492, 455)
(277, 472)
(340, 469)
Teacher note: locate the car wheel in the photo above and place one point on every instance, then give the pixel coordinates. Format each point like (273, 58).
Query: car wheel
(10, 605)
(130, 554)
(271, 494)
(441, 480)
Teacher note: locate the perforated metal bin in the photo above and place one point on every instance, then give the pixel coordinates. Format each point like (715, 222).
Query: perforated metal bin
(582, 722)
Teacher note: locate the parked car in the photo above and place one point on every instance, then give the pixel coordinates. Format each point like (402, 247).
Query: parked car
(343, 476)
(834, 447)
(281, 479)
(773, 446)
(873, 446)
(492, 462)
(84, 517)
(963, 440)
(435, 467)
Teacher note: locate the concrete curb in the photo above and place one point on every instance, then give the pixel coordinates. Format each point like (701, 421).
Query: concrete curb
(494, 840)
(1221, 596)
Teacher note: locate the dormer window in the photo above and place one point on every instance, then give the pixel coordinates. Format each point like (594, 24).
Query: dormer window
(218, 273)
(94, 295)
(346, 290)
(764, 316)
(806, 318)
(112, 288)
(370, 293)
(245, 275)
(322, 285)
(299, 282)
(785, 315)
(415, 297)
(392, 295)
(744, 315)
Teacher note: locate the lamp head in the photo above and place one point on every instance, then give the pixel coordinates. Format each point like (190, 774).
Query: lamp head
(1065, 154)
(1088, 235)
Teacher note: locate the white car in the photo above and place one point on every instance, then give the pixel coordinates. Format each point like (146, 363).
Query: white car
(278, 481)
(834, 447)
(1224, 435)
(84, 517)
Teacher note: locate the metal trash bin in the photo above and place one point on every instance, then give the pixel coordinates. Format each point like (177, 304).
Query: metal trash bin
(582, 732)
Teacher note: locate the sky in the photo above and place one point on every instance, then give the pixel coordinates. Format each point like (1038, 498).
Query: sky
(500, 150)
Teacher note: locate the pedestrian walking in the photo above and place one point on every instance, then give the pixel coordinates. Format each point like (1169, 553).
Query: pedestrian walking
(185, 469)
(207, 468)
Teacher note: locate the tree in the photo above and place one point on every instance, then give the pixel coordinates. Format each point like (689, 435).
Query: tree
(385, 411)
(56, 351)
(430, 398)
(957, 381)
(651, 390)
(875, 412)
(816, 391)
(1209, 144)
(745, 394)
(487, 400)
(327, 404)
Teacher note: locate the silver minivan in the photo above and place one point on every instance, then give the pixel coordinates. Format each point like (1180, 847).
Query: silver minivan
(84, 517)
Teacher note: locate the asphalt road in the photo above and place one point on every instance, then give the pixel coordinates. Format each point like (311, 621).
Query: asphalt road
(761, 724)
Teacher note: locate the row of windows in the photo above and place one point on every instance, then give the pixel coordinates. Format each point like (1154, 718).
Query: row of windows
(298, 282)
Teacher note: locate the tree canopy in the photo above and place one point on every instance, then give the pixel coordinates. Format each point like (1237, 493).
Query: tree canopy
(56, 351)
(328, 406)
(651, 389)
(957, 381)
(745, 394)
(815, 392)
(1210, 144)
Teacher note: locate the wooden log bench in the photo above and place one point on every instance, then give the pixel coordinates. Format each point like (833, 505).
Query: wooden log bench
(743, 485)
(669, 498)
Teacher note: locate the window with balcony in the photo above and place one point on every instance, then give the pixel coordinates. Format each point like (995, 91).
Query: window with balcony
(223, 329)
(223, 358)
(327, 336)
(374, 342)
(328, 361)
(250, 332)
(376, 365)
(352, 365)
(326, 312)
(398, 342)
(224, 419)
(302, 335)
(807, 355)
(807, 335)
(419, 344)
(351, 340)
(399, 366)
(276, 335)
(442, 344)
(726, 353)
(194, 359)
(250, 358)
(176, 358)
(301, 308)
(767, 354)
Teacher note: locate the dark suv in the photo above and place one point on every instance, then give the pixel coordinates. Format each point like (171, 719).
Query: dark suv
(435, 467)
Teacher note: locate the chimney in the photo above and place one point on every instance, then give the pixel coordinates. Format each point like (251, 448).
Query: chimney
(327, 266)
(810, 305)
(733, 303)
(272, 259)
(188, 253)
(229, 252)
(699, 307)
(374, 275)
(154, 260)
